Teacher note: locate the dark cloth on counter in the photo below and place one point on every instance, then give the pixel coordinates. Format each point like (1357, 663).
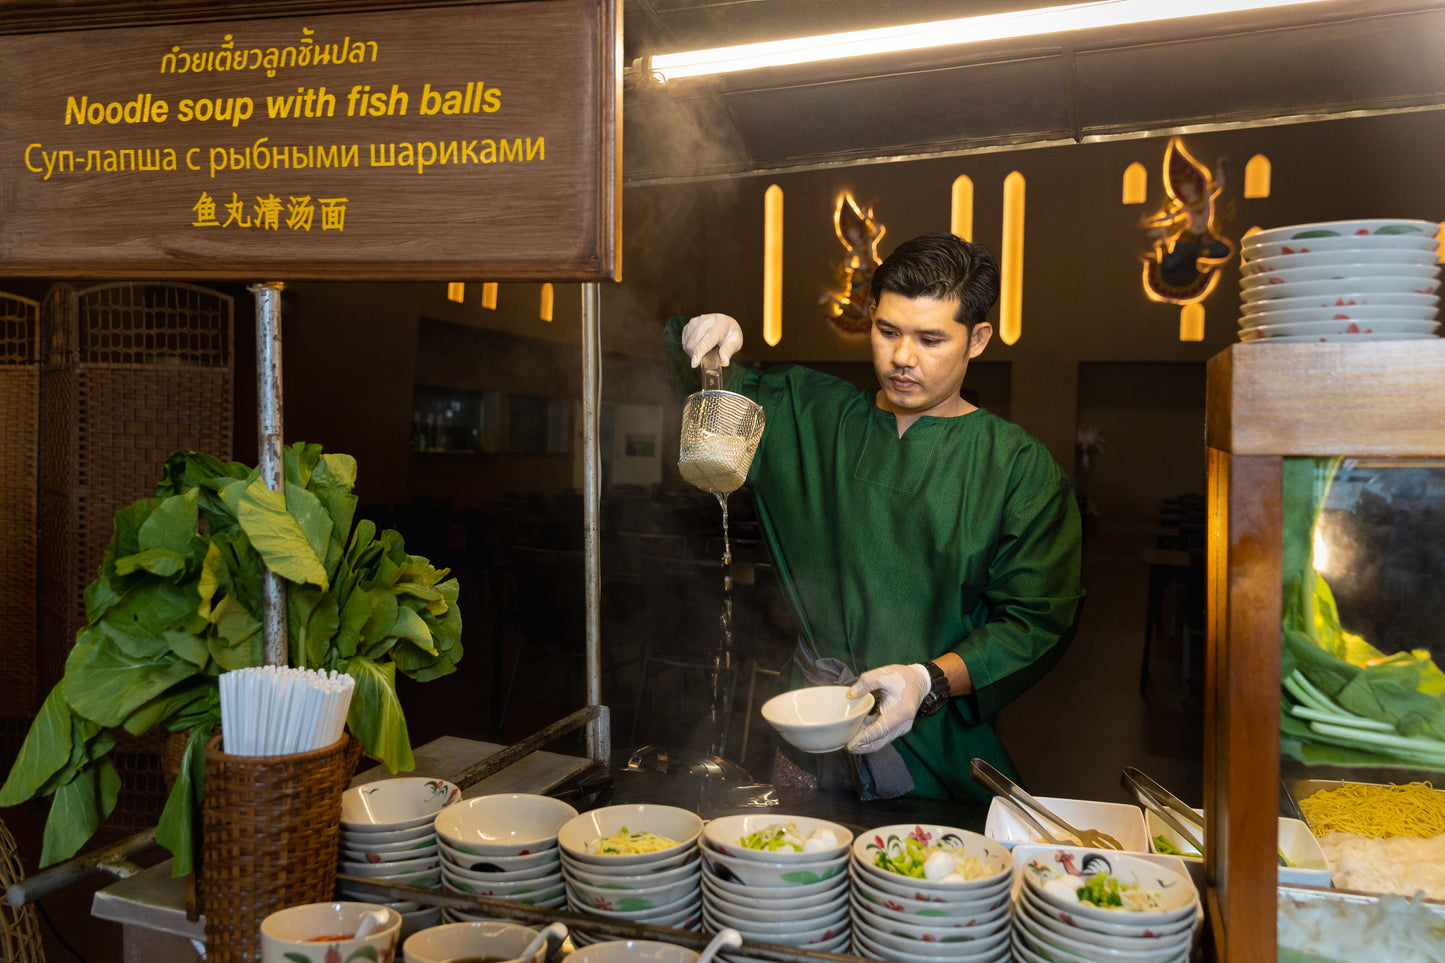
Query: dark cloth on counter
(961, 535)
(877, 775)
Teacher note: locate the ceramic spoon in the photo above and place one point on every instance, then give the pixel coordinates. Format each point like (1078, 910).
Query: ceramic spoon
(727, 936)
(552, 931)
(369, 922)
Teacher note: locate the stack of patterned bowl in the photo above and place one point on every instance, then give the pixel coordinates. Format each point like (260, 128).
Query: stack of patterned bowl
(636, 863)
(502, 846)
(1077, 903)
(387, 834)
(930, 893)
(777, 879)
(1364, 280)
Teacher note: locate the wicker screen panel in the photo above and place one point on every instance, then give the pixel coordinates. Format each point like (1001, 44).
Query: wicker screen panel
(133, 372)
(19, 468)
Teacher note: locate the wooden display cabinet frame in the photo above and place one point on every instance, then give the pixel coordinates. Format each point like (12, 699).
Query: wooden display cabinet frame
(1266, 402)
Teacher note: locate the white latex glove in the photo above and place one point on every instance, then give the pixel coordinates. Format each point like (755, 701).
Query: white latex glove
(708, 331)
(901, 689)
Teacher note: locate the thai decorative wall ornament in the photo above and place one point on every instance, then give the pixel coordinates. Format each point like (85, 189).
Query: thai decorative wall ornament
(1188, 250)
(846, 306)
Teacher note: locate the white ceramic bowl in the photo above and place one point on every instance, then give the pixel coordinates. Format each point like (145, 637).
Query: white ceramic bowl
(1358, 313)
(1251, 248)
(671, 822)
(750, 872)
(1335, 288)
(818, 718)
(526, 890)
(761, 913)
(648, 897)
(631, 951)
(1173, 893)
(1343, 301)
(363, 840)
(675, 913)
(717, 917)
(1162, 931)
(1122, 821)
(1048, 945)
(496, 864)
(545, 871)
(1263, 265)
(496, 940)
(993, 857)
(1029, 915)
(403, 868)
(1350, 228)
(927, 906)
(587, 873)
(726, 833)
(901, 947)
(292, 933)
(959, 930)
(901, 887)
(369, 856)
(1327, 329)
(780, 897)
(812, 934)
(505, 824)
(691, 856)
(1343, 273)
(387, 805)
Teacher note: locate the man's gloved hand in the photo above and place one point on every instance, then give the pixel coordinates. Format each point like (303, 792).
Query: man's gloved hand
(708, 331)
(901, 690)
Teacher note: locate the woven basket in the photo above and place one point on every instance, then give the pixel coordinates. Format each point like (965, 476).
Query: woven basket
(19, 930)
(269, 832)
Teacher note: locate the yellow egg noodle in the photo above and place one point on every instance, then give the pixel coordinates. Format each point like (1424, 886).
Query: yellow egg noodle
(1412, 809)
(626, 843)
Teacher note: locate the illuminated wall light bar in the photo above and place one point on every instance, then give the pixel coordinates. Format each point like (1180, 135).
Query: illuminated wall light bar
(457, 291)
(1256, 176)
(1136, 184)
(1011, 264)
(545, 311)
(943, 33)
(1191, 322)
(489, 295)
(960, 217)
(773, 265)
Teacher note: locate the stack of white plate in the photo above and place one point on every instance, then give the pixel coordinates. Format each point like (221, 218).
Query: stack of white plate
(961, 914)
(387, 834)
(652, 882)
(504, 847)
(1365, 280)
(794, 893)
(1155, 924)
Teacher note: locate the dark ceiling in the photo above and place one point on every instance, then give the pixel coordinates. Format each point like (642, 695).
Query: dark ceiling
(1329, 59)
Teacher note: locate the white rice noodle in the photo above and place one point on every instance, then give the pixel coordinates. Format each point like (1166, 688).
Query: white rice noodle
(1397, 864)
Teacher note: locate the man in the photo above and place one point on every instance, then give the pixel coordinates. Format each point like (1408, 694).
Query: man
(923, 542)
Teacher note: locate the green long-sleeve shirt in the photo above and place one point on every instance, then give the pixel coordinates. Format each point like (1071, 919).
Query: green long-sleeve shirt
(962, 535)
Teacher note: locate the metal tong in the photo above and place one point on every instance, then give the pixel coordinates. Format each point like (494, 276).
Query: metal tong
(1000, 785)
(1167, 806)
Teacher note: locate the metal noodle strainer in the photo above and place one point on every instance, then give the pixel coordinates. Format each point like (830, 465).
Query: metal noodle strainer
(720, 433)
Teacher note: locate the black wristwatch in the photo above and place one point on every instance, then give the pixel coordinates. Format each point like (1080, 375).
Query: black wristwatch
(938, 690)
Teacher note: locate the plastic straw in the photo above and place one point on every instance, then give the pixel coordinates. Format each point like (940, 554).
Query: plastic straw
(274, 710)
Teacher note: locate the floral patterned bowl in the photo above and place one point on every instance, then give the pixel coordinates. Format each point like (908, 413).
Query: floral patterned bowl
(625, 899)
(1152, 894)
(388, 805)
(891, 842)
(681, 826)
(750, 872)
(496, 864)
(726, 833)
(895, 906)
(304, 934)
(797, 897)
(902, 947)
(505, 824)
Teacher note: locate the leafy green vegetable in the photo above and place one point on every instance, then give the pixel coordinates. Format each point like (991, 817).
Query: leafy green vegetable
(1163, 845)
(773, 839)
(908, 861)
(177, 602)
(1101, 890)
(1344, 701)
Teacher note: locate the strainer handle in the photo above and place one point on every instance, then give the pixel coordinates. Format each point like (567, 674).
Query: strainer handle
(711, 371)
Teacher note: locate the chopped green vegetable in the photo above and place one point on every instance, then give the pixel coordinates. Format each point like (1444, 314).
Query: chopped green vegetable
(1163, 845)
(774, 839)
(1101, 890)
(908, 862)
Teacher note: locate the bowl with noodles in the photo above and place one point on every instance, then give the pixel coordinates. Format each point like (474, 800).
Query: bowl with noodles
(630, 835)
(1378, 838)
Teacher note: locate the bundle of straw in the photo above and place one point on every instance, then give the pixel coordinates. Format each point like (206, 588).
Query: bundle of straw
(273, 710)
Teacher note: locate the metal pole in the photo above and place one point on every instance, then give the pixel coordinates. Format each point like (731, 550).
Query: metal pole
(273, 465)
(599, 736)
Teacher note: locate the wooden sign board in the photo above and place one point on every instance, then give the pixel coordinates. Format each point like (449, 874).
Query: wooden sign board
(461, 142)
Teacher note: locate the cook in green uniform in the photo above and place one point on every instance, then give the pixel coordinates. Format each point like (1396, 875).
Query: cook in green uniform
(924, 542)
